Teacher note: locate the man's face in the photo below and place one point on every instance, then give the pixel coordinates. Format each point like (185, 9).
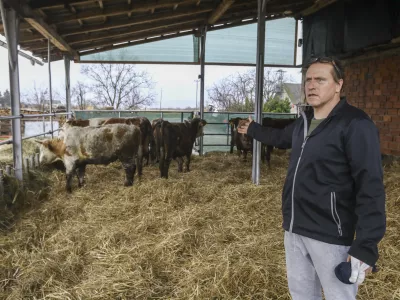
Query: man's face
(320, 86)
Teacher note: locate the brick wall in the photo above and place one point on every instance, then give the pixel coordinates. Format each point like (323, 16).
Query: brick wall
(374, 86)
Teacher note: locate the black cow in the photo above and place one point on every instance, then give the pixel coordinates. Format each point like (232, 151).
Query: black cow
(266, 150)
(175, 141)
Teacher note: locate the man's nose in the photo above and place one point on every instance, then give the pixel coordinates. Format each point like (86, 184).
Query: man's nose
(311, 85)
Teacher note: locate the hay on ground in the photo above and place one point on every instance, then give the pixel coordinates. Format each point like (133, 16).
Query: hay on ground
(206, 234)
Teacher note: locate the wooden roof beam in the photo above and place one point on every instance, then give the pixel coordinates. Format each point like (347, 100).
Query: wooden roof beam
(220, 10)
(133, 37)
(120, 37)
(40, 25)
(46, 4)
(138, 20)
(129, 31)
(119, 10)
(318, 5)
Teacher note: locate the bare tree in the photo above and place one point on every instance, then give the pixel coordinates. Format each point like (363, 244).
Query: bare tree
(37, 97)
(120, 85)
(80, 95)
(237, 92)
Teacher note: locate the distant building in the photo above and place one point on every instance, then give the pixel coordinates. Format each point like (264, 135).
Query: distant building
(292, 91)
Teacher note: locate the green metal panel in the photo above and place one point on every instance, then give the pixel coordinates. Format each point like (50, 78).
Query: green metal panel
(235, 45)
(239, 44)
(180, 49)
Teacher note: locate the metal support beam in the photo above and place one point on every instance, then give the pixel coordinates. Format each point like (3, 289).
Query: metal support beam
(202, 71)
(50, 90)
(11, 23)
(31, 58)
(67, 63)
(259, 87)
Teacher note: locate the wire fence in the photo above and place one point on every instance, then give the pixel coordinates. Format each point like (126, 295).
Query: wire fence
(30, 117)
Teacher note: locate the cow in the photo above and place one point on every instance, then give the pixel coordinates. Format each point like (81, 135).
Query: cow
(266, 150)
(84, 123)
(147, 138)
(244, 143)
(148, 148)
(80, 123)
(175, 141)
(93, 145)
(234, 124)
(156, 147)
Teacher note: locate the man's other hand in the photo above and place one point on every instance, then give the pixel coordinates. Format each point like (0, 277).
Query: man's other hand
(245, 127)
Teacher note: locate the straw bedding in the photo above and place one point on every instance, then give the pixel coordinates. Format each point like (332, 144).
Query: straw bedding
(206, 234)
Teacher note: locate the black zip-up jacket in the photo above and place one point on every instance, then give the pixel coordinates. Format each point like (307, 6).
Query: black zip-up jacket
(334, 184)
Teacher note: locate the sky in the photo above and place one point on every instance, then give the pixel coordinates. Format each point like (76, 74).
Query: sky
(177, 82)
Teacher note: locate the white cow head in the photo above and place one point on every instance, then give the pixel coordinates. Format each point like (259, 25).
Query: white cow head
(50, 150)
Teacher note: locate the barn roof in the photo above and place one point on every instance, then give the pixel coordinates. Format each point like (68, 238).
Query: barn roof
(78, 26)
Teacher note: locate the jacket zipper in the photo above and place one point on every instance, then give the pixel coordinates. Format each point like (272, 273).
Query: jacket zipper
(335, 213)
(294, 180)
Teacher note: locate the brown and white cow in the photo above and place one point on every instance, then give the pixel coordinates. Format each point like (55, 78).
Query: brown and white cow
(93, 145)
(147, 138)
(175, 141)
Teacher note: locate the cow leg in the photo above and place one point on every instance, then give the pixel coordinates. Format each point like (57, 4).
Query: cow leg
(263, 153)
(139, 160)
(153, 156)
(244, 155)
(165, 168)
(180, 163)
(130, 168)
(268, 155)
(81, 175)
(70, 171)
(188, 162)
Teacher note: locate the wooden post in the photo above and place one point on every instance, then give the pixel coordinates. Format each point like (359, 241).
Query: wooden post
(8, 170)
(1, 184)
(26, 164)
(32, 162)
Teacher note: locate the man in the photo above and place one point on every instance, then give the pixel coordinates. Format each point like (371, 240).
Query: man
(334, 188)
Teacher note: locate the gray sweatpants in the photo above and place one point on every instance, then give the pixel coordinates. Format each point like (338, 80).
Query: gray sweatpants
(310, 266)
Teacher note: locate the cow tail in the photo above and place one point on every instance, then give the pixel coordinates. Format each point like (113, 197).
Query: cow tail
(162, 148)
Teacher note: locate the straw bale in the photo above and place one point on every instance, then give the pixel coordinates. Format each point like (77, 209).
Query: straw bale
(206, 234)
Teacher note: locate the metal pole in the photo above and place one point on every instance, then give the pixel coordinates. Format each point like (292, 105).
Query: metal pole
(50, 91)
(1, 184)
(67, 64)
(202, 71)
(197, 90)
(11, 30)
(259, 87)
(31, 58)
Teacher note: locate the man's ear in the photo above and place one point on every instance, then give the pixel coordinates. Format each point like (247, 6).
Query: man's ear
(339, 86)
